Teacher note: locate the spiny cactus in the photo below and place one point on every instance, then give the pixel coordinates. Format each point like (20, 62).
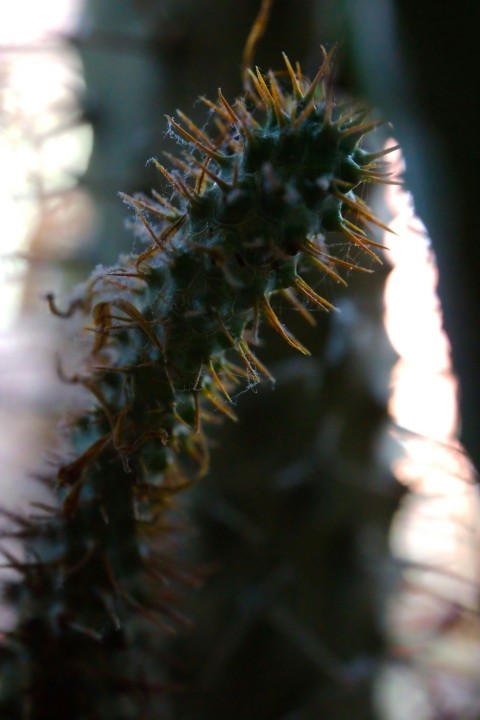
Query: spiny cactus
(170, 332)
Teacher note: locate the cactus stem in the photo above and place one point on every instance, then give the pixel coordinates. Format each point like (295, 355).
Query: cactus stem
(249, 208)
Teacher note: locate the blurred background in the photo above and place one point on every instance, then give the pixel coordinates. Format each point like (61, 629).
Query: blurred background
(338, 529)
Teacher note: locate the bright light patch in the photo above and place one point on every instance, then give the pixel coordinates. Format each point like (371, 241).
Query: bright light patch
(26, 21)
(43, 147)
(435, 534)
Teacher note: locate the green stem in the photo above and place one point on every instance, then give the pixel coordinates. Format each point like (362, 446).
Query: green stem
(170, 334)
